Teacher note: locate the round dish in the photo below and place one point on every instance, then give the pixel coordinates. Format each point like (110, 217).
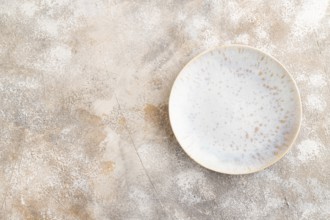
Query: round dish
(235, 109)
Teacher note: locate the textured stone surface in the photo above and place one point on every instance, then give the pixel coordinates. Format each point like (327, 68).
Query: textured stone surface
(84, 87)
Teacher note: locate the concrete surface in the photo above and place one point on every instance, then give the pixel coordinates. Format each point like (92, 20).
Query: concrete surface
(84, 87)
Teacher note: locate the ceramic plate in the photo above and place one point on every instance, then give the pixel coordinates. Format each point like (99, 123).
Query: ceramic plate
(235, 109)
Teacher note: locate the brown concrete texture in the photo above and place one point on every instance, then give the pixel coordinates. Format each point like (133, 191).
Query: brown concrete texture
(84, 87)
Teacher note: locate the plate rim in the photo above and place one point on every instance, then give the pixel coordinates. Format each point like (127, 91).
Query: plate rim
(299, 105)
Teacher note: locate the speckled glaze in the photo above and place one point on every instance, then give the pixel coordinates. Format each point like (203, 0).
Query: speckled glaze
(235, 109)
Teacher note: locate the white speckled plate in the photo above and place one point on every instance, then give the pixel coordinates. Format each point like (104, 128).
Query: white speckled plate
(235, 109)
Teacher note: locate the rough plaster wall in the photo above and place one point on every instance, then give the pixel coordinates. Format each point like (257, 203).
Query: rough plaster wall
(84, 87)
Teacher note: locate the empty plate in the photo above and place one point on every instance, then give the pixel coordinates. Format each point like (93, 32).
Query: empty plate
(235, 109)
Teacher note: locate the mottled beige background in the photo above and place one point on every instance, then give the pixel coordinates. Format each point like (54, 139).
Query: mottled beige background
(84, 87)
